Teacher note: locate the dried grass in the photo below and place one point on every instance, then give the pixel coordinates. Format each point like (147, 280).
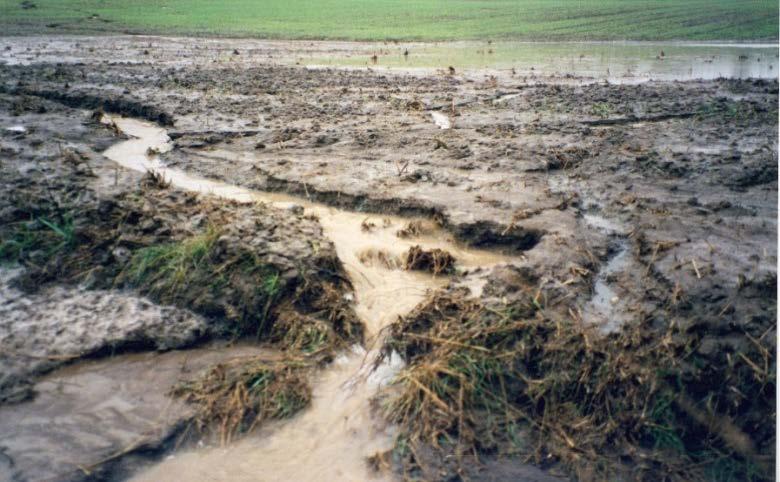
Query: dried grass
(640, 404)
(435, 261)
(411, 230)
(235, 397)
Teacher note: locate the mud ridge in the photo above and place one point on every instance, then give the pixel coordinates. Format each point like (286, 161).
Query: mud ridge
(218, 133)
(80, 100)
(479, 234)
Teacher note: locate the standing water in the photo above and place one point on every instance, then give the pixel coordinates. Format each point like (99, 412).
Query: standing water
(616, 61)
(331, 439)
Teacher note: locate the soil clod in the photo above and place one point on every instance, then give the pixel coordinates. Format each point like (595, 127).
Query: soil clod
(435, 261)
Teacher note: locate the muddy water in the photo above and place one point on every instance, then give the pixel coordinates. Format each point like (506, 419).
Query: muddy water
(96, 410)
(331, 439)
(619, 61)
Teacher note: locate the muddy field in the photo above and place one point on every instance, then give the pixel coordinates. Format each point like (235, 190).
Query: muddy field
(623, 236)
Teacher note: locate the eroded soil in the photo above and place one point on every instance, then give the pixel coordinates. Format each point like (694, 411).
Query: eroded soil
(614, 204)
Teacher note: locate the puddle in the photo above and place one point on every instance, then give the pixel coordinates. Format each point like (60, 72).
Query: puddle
(603, 224)
(604, 308)
(331, 439)
(17, 129)
(441, 120)
(619, 61)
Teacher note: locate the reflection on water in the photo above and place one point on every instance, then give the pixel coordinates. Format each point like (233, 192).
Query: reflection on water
(601, 60)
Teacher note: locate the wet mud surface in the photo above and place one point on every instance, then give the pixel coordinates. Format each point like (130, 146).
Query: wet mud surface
(44, 330)
(104, 420)
(608, 204)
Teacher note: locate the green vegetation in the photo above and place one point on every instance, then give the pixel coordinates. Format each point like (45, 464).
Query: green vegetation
(170, 268)
(192, 273)
(601, 109)
(403, 19)
(41, 236)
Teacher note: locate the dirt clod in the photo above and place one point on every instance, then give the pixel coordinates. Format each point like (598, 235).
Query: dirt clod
(435, 261)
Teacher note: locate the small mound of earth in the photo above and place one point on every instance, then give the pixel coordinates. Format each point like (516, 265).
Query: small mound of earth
(435, 260)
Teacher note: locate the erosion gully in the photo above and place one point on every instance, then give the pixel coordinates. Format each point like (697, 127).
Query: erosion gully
(332, 438)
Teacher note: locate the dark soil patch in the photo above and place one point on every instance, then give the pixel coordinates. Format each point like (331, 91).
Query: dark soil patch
(435, 261)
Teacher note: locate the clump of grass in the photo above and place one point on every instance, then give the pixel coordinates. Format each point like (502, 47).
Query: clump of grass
(637, 401)
(169, 268)
(154, 179)
(316, 319)
(601, 109)
(411, 230)
(195, 273)
(236, 397)
(380, 257)
(43, 237)
(17, 243)
(296, 331)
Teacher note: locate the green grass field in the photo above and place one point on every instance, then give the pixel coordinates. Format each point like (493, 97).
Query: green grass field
(404, 19)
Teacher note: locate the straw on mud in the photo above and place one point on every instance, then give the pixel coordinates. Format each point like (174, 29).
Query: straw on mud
(435, 260)
(412, 229)
(477, 375)
(234, 397)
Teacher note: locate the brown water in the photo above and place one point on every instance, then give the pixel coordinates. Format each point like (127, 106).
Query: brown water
(331, 439)
(96, 410)
(619, 61)
(616, 61)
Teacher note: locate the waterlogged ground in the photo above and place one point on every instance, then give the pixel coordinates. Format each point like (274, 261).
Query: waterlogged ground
(627, 62)
(621, 202)
(617, 61)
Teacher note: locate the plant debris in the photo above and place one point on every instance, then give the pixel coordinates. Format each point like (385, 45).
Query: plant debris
(411, 230)
(233, 398)
(435, 261)
(642, 404)
(372, 256)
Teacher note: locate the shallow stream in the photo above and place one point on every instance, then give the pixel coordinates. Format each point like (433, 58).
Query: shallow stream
(331, 439)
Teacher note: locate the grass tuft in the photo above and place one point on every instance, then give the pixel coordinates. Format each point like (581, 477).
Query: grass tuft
(169, 268)
(41, 236)
(234, 398)
(196, 273)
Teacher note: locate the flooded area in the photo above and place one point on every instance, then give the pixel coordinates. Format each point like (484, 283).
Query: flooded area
(340, 425)
(400, 247)
(617, 61)
(625, 62)
(105, 407)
